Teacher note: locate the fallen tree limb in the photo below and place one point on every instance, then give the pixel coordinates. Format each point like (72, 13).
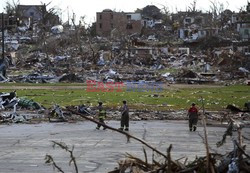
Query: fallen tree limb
(242, 150)
(188, 170)
(66, 148)
(245, 138)
(169, 158)
(49, 159)
(210, 167)
(145, 155)
(119, 131)
(203, 140)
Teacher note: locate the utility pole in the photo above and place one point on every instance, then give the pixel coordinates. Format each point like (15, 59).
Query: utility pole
(2, 36)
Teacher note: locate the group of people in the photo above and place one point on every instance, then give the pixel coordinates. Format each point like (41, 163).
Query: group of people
(192, 114)
(124, 116)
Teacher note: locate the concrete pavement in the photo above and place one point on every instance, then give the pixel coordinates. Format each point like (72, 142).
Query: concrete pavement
(24, 146)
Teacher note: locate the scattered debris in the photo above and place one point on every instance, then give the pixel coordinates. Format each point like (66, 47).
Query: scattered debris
(13, 118)
(10, 101)
(56, 114)
(57, 29)
(247, 106)
(29, 104)
(233, 108)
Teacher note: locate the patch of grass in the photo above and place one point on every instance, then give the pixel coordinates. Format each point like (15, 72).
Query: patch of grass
(168, 99)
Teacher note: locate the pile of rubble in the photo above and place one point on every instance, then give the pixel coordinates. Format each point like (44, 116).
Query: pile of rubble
(65, 57)
(9, 101)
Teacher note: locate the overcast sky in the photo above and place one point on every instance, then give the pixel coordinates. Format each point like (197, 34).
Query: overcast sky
(90, 7)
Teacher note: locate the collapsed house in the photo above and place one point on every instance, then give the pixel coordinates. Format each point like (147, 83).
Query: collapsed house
(31, 14)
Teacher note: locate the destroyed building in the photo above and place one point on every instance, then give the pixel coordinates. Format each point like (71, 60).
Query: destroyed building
(193, 25)
(187, 18)
(241, 23)
(123, 23)
(30, 14)
(152, 17)
(10, 21)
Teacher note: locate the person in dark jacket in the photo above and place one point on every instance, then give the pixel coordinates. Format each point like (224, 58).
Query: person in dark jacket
(125, 116)
(101, 116)
(193, 117)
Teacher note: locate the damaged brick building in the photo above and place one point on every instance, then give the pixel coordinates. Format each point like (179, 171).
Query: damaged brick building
(110, 23)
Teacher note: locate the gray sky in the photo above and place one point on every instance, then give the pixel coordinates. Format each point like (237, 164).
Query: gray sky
(90, 7)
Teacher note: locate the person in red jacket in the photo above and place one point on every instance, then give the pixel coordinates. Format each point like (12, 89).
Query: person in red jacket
(193, 117)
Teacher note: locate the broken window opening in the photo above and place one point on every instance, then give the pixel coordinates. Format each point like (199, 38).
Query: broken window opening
(198, 20)
(100, 17)
(188, 20)
(100, 25)
(246, 32)
(129, 26)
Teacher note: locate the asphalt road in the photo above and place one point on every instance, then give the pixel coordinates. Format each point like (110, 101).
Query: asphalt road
(24, 146)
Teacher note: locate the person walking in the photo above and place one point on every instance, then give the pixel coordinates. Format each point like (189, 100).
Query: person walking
(124, 117)
(101, 116)
(193, 117)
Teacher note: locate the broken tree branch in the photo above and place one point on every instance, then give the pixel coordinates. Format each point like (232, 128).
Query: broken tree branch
(49, 159)
(145, 155)
(242, 150)
(228, 132)
(169, 158)
(245, 138)
(203, 141)
(66, 148)
(119, 131)
(209, 165)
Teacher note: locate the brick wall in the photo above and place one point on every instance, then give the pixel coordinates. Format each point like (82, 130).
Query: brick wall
(106, 21)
